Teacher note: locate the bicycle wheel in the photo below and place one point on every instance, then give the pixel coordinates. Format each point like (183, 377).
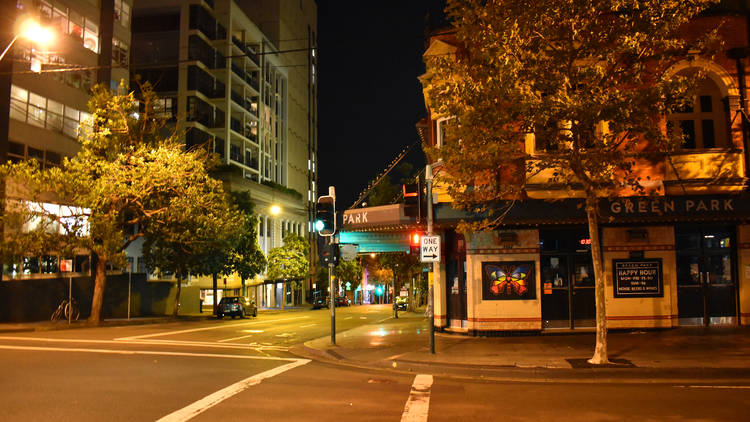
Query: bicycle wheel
(57, 314)
(72, 308)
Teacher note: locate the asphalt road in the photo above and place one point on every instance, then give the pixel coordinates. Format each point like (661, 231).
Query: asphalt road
(239, 370)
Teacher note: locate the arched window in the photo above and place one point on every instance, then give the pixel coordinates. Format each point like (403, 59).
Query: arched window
(704, 124)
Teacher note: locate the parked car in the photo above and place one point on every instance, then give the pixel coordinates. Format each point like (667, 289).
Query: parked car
(402, 303)
(236, 306)
(343, 301)
(320, 302)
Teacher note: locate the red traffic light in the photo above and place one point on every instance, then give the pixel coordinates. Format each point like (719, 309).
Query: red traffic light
(414, 239)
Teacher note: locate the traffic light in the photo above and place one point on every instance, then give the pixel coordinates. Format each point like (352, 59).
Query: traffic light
(327, 253)
(325, 216)
(413, 200)
(415, 239)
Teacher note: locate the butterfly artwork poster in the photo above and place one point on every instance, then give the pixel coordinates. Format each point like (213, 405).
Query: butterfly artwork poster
(508, 280)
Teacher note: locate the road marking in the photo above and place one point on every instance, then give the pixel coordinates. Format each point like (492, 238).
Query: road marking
(349, 317)
(152, 343)
(363, 317)
(213, 327)
(235, 338)
(384, 319)
(142, 352)
(213, 399)
(418, 405)
(714, 386)
(307, 325)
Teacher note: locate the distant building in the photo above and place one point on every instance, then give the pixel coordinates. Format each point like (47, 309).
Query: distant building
(241, 76)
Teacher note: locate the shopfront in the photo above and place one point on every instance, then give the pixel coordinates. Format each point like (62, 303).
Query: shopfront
(668, 262)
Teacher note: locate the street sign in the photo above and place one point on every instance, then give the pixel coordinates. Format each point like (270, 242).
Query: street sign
(348, 251)
(429, 250)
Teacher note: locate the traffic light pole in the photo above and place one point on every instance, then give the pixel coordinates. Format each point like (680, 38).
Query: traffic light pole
(332, 304)
(430, 291)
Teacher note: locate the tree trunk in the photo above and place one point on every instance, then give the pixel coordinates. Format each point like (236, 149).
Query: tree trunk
(600, 352)
(283, 295)
(242, 282)
(216, 303)
(100, 282)
(396, 292)
(177, 298)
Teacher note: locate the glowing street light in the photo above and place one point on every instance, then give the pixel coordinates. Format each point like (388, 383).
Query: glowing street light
(275, 210)
(32, 31)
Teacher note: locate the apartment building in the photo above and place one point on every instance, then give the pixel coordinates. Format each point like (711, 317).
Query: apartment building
(240, 77)
(49, 90)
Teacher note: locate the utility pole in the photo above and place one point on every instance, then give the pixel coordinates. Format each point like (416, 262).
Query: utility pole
(430, 290)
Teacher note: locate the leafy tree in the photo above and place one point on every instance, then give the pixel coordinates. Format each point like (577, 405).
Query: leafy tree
(189, 234)
(587, 78)
(349, 271)
(289, 261)
(402, 266)
(130, 179)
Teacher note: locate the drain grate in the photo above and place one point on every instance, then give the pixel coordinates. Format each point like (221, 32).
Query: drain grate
(614, 363)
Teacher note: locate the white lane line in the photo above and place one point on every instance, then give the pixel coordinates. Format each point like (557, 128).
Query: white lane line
(213, 399)
(418, 405)
(307, 325)
(213, 327)
(349, 317)
(207, 344)
(143, 352)
(715, 386)
(234, 338)
(384, 319)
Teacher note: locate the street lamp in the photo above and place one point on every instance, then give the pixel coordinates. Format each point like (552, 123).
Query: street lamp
(275, 209)
(32, 31)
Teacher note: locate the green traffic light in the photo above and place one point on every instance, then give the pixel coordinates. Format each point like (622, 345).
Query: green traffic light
(319, 225)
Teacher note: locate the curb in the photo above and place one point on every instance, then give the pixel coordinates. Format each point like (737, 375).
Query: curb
(533, 374)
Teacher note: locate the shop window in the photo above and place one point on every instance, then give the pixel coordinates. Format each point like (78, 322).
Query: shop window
(30, 265)
(75, 25)
(702, 124)
(49, 264)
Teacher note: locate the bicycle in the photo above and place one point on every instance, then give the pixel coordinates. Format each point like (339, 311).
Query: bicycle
(64, 311)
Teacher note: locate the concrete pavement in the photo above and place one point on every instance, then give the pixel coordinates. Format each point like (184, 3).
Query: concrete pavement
(403, 344)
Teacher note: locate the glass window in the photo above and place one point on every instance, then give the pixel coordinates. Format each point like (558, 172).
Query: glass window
(16, 149)
(54, 115)
(37, 110)
(703, 124)
(122, 13)
(49, 264)
(75, 25)
(60, 19)
(91, 37)
(19, 93)
(31, 265)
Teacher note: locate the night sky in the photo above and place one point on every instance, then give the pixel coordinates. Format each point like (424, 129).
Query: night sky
(369, 97)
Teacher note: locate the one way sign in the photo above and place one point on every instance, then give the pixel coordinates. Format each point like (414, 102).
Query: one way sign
(429, 250)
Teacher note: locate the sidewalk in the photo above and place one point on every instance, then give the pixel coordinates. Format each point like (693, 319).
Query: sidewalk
(403, 344)
(14, 327)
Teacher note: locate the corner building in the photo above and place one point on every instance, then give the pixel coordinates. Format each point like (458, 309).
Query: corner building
(673, 260)
(241, 77)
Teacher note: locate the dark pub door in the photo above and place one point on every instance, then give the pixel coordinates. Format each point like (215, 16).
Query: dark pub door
(455, 280)
(706, 275)
(567, 279)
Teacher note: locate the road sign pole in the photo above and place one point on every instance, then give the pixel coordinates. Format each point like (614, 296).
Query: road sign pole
(430, 289)
(332, 304)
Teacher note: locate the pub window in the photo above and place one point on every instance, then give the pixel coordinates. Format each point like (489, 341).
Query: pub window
(702, 124)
